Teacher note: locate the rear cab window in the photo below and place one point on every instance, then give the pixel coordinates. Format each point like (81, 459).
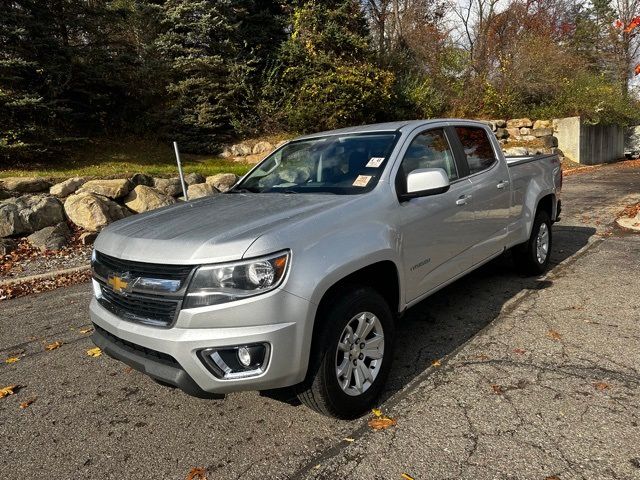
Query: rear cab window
(477, 148)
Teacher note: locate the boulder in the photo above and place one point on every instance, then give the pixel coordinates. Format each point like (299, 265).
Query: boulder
(501, 133)
(93, 212)
(66, 188)
(7, 245)
(542, 124)
(499, 123)
(516, 151)
(25, 184)
(10, 221)
(240, 150)
(193, 178)
(143, 199)
(519, 123)
(142, 179)
(87, 238)
(226, 153)
(29, 213)
(200, 190)
(542, 132)
(4, 194)
(168, 186)
(549, 142)
(222, 181)
(527, 138)
(513, 132)
(262, 147)
(525, 131)
(116, 188)
(50, 238)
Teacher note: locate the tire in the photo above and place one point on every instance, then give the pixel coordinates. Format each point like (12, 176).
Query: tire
(343, 397)
(526, 255)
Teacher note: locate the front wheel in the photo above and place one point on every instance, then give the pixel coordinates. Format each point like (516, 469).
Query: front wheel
(352, 355)
(532, 257)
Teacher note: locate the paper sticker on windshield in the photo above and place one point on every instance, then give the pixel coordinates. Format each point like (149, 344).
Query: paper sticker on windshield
(361, 181)
(375, 162)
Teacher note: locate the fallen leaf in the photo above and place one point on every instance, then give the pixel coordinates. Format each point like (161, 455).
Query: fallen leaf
(197, 473)
(497, 389)
(9, 390)
(552, 477)
(349, 439)
(11, 360)
(436, 363)
(53, 346)
(601, 386)
(519, 351)
(406, 476)
(86, 330)
(377, 412)
(554, 335)
(26, 404)
(94, 352)
(382, 423)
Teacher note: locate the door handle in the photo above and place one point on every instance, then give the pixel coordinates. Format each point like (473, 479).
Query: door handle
(462, 199)
(502, 184)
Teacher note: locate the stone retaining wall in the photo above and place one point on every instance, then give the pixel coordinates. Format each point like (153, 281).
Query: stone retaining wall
(35, 208)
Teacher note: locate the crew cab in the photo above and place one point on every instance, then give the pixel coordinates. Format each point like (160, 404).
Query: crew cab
(297, 275)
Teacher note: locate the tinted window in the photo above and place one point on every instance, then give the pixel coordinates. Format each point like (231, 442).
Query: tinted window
(477, 147)
(430, 149)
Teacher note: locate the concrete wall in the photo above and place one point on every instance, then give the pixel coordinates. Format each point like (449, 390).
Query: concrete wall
(589, 144)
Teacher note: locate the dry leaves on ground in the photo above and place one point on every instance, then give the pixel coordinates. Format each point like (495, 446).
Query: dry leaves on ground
(601, 386)
(53, 346)
(86, 330)
(197, 473)
(11, 360)
(94, 352)
(26, 403)
(8, 390)
(554, 335)
(379, 421)
(20, 289)
(519, 351)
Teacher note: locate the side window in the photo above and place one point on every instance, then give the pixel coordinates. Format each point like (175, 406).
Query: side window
(477, 147)
(430, 149)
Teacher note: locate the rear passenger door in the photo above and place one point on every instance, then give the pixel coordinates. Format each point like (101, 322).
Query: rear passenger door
(491, 191)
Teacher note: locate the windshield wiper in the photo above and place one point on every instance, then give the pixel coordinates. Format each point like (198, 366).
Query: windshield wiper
(243, 190)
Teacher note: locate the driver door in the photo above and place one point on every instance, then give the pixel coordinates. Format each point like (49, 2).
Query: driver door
(434, 244)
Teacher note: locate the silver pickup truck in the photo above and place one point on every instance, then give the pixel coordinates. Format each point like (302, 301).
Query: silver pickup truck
(297, 275)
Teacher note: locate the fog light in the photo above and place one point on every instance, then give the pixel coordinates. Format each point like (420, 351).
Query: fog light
(244, 356)
(241, 361)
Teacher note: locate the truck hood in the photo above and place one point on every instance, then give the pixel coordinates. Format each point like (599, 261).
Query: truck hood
(211, 229)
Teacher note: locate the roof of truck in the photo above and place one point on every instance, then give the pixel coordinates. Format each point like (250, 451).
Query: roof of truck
(387, 127)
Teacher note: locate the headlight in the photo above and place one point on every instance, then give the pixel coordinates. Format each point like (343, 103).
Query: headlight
(215, 284)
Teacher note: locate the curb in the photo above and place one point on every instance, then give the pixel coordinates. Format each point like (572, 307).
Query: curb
(44, 276)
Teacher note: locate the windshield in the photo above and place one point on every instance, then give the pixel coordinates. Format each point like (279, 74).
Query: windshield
(341, 164)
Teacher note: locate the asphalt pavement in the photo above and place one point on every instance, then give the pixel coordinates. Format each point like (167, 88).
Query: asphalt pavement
(534, 378)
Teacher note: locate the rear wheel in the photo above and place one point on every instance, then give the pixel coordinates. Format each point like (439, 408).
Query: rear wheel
(352, 355)
(532, 257)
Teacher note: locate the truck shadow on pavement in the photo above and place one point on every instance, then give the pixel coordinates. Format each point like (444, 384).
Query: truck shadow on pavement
(440, 324)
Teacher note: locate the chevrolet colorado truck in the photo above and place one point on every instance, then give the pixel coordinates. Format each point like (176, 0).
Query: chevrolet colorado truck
(296, 276)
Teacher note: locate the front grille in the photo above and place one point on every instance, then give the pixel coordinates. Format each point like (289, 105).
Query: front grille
(143, 304)
(133, 347)
(148, 270)
(147, 309)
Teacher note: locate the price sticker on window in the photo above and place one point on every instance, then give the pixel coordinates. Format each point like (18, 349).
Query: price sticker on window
(361, 181)
(375, 162)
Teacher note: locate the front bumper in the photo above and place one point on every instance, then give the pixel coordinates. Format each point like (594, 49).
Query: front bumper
(283, 320)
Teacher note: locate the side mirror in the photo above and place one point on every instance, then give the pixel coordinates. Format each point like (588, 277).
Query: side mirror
(424, 182)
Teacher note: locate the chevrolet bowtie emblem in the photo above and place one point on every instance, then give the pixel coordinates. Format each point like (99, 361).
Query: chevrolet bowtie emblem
(118, 283)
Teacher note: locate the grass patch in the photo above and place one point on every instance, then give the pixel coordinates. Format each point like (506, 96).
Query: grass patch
(106, 158)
